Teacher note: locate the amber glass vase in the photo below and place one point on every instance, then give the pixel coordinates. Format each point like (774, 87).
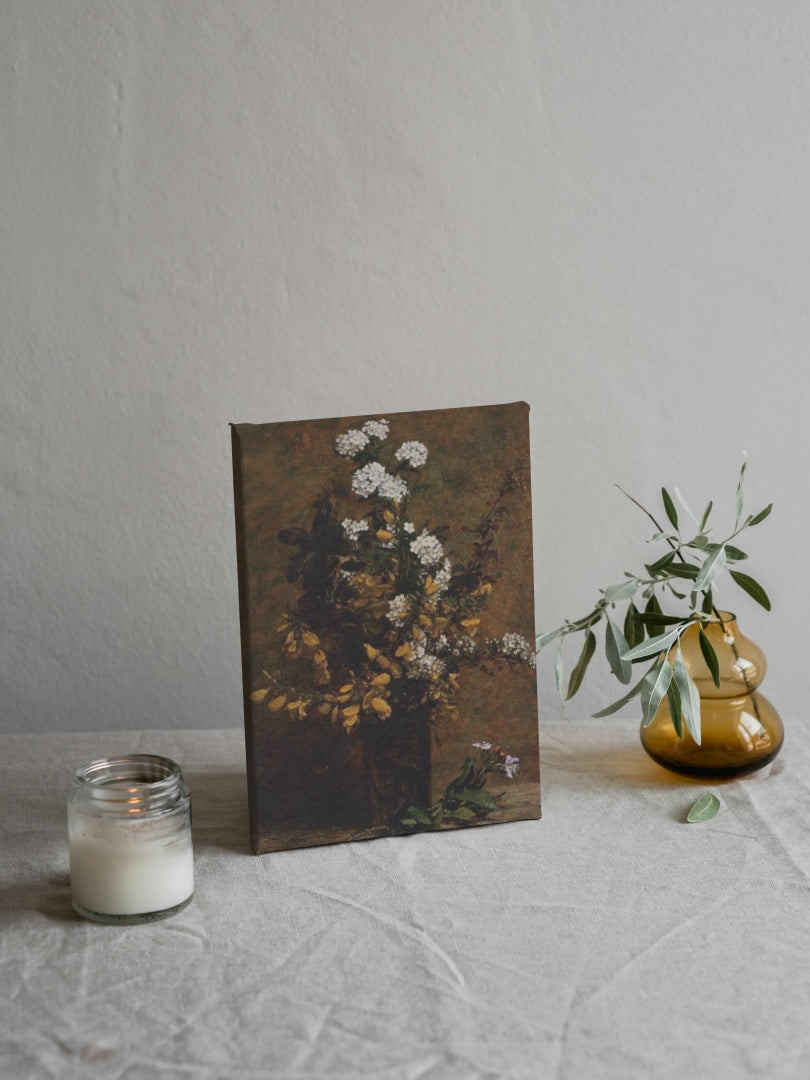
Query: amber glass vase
(741, 731)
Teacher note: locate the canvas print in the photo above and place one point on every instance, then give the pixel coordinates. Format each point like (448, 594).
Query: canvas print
(387, 617)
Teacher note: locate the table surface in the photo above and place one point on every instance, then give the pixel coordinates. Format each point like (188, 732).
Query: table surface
(609, 939)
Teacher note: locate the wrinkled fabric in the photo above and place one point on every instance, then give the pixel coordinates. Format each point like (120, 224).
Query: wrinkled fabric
(609, 939)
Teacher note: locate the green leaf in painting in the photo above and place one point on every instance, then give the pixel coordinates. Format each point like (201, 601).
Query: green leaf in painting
(690, 698)
(752, 587)
(577, 675)
(704, 809)
(477, 797)
(416, 816)
(674, 702)
(655, 685)
(467, 769)
(615, 648)
(710, 656)
(669, 507)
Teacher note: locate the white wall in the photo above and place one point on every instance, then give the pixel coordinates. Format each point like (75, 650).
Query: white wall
(254, 211)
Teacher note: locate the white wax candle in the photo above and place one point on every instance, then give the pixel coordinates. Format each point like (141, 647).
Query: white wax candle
(129, 867)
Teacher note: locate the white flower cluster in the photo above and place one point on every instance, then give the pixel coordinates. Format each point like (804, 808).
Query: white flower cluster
(442, 576)
(518, 648)
(423, 663)
(398, 608)
(353, 529)
(465, 646)
(427, 549)
(376, 429)
(373, 479)
(415, 453)
(351, 443)
(392, 487)
(409, 528)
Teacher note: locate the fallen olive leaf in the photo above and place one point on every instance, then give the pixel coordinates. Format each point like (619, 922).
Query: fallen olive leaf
(704, 809)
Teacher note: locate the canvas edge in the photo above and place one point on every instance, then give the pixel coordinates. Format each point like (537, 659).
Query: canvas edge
(244, 634)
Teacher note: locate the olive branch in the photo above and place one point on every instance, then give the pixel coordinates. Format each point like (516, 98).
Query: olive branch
(694, 563)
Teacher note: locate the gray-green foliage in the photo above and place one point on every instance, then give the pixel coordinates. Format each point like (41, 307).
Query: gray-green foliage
(704, 809)
(687, 573)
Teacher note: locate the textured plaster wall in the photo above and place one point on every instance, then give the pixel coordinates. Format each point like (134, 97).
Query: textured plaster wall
(252, 211)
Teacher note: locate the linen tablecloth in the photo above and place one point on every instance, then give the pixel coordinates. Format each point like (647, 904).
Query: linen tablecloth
(609, 939)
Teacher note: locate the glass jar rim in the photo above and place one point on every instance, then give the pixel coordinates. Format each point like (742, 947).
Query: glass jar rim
(130, 783)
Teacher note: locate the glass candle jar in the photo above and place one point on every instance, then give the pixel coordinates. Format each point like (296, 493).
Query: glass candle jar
(129, 835)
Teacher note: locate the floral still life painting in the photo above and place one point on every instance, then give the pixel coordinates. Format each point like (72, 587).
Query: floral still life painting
(387, 620)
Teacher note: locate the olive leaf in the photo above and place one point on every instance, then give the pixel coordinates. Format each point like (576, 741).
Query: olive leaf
(690, 698)
(674, 702)
(633, 629)
(559, 673)
(654, 686)
(660, 620)
(752, 587)
(654, 645)
(710, 569)
(652, 607)
(669, 507)
(684, 504)
(710, 656)
(546, 639)
(684, 570)
(740, 489)
(660, 564)
(623, 591)
(615, 648)
(577, 675)
(755, 520)
(704, 520)
(704, 809)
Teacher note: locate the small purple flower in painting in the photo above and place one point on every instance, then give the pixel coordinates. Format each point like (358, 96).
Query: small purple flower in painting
(510, 766)
(495, 757)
